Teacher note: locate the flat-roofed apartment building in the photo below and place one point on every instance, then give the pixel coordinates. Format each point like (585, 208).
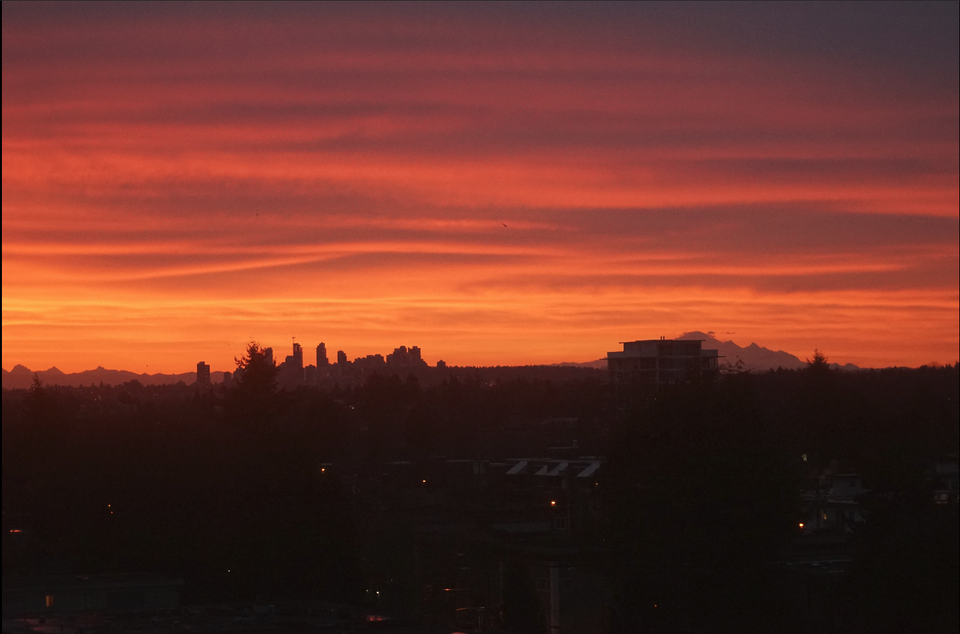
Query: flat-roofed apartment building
(657, 362)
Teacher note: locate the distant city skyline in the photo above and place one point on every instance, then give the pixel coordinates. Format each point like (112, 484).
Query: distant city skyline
(508, 184)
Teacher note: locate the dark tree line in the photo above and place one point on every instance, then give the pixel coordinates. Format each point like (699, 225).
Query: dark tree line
(224, 487)
(702, 499)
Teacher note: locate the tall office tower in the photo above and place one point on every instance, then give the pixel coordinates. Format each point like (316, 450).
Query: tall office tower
(203, 374)
(322, 355)
(268, 353)
(297, 356)
(341, 358)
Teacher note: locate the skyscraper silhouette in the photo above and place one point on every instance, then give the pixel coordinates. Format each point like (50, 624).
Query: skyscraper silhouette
(322, 355)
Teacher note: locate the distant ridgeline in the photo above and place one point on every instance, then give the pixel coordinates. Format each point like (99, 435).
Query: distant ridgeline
(753, 357)
(22, 377)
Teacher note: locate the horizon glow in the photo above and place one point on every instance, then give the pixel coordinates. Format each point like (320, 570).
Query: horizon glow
(178, 181)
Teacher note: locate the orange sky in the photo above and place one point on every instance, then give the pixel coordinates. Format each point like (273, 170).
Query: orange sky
(180, 180)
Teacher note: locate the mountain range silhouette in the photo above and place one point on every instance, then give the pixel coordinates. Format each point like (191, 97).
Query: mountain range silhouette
(22, 377)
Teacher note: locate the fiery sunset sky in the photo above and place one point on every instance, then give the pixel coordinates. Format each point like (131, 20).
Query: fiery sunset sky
(498, 184)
